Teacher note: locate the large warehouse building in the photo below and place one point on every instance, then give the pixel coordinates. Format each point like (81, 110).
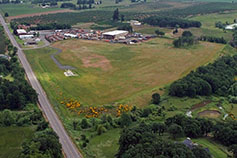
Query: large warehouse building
(115, 34)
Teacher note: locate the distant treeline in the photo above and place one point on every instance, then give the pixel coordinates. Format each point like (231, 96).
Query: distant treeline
(8, 1)
(215, 78)
(171, 22)
(51, 26)
(202, 8)
(213, 39)
(47, 1)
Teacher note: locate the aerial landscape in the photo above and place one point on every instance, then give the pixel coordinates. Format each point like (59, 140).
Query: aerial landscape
(118, 78)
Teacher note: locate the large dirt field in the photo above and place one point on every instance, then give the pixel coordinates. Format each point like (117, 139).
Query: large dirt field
(110, 74)
(38, 14)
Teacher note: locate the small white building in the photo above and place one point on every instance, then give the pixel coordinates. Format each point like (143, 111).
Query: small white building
(135, 23)
(70, 35)
(26, 36)
(231, 27)
(115, 34)
(21, 32)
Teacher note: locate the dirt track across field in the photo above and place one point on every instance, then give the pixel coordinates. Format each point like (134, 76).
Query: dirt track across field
(38, 14)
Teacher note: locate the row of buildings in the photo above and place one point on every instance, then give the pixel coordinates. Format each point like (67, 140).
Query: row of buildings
(116, 36)
(30, 37)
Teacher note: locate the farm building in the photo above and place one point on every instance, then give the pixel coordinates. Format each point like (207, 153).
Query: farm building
(135, 23)
(21, 32)
(231, 27)
(114, 34)
(70, 35)
(26, 36)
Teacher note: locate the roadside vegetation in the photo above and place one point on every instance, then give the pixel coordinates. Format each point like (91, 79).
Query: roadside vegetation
(20, 118)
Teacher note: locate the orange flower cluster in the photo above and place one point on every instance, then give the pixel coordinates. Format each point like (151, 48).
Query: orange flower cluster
(93, 111)
(123, 108)
(89, 112)
(71, 103)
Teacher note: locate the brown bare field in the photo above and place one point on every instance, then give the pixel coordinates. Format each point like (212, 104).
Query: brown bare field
(38, 14)
(209, 114)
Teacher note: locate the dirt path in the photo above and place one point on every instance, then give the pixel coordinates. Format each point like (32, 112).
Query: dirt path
(38, 14)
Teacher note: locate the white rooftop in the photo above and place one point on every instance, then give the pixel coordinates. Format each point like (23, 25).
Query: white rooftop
(115, 32)
(19, 31)
(231, 27)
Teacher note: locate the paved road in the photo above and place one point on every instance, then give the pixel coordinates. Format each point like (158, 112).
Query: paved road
(68, 147)
(63, 67)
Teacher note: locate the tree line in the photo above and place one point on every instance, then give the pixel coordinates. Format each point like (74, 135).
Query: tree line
(16, 94)
(213, 39)
(214, 78)
(163, 21)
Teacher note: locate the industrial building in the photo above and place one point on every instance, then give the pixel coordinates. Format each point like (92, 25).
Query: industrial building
(21, 32)
(115, 34)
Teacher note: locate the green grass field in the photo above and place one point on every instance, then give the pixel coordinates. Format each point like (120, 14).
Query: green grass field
(111, 74)
(208, 24)
(11, 139)
(216, 150)
(20, 9)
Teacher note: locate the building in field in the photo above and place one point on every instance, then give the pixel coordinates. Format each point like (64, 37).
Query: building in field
(115, 34)
(21, 32)
(231, 27)
(22, 37)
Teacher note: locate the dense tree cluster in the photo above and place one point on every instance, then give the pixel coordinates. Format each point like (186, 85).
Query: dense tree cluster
(17, 93)
(126, 27)
(215, 78)
(45, 143)
(220, 25)
(226, 133)
(144, 141)
(159, 33)
(4, 42)
(163, 21)
(68, 5)
(213, 39)
(51, 26)
(187, 39)
(190, 127)
(233, 42)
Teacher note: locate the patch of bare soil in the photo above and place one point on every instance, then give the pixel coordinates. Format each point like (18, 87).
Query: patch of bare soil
(38, 14)
(96, 61)
(199, 105)
(209, 113)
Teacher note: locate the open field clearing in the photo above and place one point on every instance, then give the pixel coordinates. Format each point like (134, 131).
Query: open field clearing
(21, 9)
(109, 74)
(11, 139)
(208, 24)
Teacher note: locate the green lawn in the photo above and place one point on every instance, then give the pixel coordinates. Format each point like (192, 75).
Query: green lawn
(217, 150)
(208, 24)
(11, 139)
(20, 9)
(105, 145)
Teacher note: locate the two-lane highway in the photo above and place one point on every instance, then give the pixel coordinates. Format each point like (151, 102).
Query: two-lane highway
(68, 146)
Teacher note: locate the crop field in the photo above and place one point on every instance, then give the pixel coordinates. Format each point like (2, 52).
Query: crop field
(11, 139)
(20, 9)
(110, 74)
